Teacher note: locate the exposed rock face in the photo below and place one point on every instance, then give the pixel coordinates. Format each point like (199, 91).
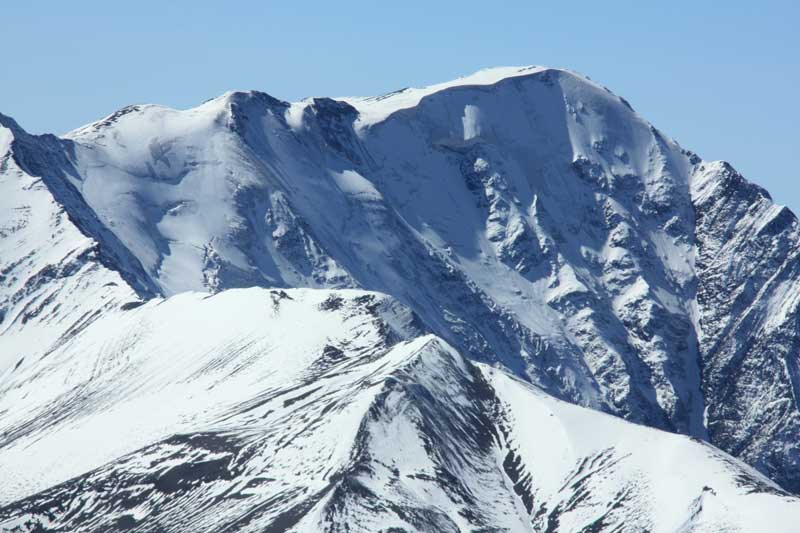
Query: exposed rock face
(527, 217)
(748, 267)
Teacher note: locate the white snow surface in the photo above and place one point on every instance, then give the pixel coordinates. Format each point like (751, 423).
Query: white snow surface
(376, 109)
(51, 280)
(313, 394)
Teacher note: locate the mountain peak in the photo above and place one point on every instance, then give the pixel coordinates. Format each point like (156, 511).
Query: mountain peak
(371, 109)
(374, 109)
(525, 217)
(10, 130)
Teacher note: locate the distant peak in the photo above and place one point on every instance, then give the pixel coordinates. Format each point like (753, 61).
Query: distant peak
(487, 76)
(491, 75)
(371, 109)
(374, 109)
(249, 97)
(108, 120)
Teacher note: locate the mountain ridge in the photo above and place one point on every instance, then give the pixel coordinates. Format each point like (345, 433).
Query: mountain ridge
(357, 424)
(534, 222)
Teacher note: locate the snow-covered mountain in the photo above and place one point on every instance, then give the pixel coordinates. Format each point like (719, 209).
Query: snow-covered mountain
(523, 222)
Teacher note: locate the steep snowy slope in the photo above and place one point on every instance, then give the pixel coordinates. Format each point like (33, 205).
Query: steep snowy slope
(137, 376)
(748, 267)
(312, 410)
(53, 278)
(605, 456)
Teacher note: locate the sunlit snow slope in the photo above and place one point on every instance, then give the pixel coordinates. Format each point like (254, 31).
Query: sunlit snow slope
(53, 277)
(311, 410)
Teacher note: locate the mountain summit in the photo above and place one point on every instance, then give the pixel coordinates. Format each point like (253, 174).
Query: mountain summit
(422, 279)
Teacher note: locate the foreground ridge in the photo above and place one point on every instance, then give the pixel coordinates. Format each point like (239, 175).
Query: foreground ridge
(356, 425)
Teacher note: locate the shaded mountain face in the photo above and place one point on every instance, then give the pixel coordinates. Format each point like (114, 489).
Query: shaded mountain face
(528, 218)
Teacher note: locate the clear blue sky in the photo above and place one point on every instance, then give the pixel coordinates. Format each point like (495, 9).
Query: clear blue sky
(722, 79)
